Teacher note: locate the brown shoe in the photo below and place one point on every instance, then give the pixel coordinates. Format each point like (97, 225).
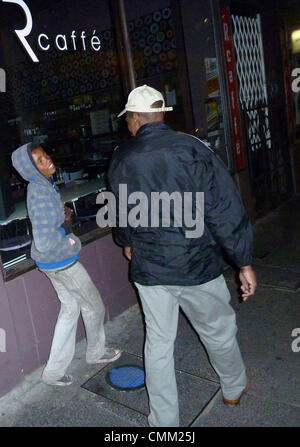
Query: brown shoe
(237, 400)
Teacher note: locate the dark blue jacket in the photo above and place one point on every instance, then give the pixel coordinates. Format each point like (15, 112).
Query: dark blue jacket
(159, 159)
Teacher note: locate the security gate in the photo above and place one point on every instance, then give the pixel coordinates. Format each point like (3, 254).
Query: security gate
(262, 117)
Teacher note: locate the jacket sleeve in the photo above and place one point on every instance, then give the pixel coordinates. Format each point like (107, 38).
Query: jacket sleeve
(122, 235)
(46, 234)
(224, 212)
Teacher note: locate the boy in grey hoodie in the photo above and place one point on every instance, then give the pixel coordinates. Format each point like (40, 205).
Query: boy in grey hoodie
(55, 250)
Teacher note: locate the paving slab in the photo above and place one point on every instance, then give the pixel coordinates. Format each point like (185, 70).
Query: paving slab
(82, 410)
(251, 412)
(277, 228)
(194, 393)
(129, 333)
(279, 277)
(285, 258)
(190, 355)
(265, 323)
(268, 275)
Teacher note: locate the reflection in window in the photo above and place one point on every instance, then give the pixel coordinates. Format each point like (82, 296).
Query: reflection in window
(155, 56)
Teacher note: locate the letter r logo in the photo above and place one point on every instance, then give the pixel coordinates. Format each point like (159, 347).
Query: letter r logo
(25, 31)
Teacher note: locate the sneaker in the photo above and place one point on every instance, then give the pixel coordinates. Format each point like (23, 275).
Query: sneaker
(110, 355)
(64, 381)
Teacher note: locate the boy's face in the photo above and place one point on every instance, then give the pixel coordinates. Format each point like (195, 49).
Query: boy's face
(43, 162)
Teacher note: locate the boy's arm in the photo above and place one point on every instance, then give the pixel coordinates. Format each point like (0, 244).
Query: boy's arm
(43, 214)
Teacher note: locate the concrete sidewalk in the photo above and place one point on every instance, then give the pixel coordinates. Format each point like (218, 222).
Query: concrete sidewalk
(265, 327)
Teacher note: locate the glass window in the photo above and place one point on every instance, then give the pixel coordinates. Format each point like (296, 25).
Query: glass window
(204, 74)
(63, 91)
(152, 34)
(174, 50)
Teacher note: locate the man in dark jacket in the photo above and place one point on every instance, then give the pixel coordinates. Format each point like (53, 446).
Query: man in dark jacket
(172, 265)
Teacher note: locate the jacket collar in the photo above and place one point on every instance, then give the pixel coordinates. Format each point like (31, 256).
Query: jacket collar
(152, 127)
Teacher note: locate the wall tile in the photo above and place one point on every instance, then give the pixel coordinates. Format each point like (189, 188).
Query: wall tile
(10, 361)
(21, 314)
(121, 300)
(43, 302)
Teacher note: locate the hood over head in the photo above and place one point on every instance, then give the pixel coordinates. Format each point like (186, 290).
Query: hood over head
(23, 163)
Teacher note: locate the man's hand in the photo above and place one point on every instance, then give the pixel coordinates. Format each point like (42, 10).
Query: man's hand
(68, 213)
(249, 282)
(128, 253)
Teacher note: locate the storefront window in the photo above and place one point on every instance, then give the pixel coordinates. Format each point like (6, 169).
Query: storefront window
(155, 53)
(174, 50)
(204, 74)
(64, 87)
(62, 90)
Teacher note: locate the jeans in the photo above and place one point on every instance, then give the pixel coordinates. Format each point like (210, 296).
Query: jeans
(77, 293)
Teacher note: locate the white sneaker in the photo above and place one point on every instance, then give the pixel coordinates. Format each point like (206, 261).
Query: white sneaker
(63, 381)
(110, 355)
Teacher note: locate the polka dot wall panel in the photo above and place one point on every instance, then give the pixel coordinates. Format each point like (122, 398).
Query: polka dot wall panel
(61, 75)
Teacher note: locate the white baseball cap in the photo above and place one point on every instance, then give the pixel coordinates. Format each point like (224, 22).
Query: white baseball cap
(141, 98)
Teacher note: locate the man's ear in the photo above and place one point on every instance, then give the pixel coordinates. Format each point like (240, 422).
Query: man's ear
(139, 119)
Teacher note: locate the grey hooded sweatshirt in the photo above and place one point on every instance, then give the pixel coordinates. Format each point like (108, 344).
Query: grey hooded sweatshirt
(51, 247)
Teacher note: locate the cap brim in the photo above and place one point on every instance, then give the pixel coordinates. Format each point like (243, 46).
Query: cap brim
(121, 113)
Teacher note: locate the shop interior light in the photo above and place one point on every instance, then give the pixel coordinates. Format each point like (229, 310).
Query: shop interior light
(296, 41)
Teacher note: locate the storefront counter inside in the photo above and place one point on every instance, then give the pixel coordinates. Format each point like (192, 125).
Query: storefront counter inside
(15, 230)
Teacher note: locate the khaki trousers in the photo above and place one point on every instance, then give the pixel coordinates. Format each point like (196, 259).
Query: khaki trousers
(207, 308)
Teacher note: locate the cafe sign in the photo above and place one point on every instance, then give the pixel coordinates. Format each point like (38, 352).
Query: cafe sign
(61, 42)
(232, 85)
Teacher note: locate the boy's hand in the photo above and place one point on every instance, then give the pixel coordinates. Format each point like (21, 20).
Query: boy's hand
(128, 252)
